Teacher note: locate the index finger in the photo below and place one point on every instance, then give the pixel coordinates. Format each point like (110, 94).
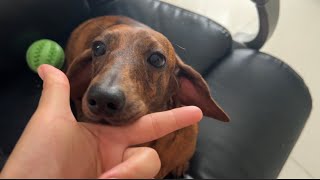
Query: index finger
(156, 125)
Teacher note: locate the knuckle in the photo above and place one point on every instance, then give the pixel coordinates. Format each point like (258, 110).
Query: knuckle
(155, 127)
(174, 119)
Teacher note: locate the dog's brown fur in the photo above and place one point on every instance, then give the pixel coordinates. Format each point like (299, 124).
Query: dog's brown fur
(146, 88)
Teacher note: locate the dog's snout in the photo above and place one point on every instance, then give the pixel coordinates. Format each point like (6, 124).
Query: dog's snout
(106, 101)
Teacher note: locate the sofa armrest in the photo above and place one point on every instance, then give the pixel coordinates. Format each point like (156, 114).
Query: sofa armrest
(268, 12)
(268, 104)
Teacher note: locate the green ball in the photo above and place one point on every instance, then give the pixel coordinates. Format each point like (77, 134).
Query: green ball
(44, 51)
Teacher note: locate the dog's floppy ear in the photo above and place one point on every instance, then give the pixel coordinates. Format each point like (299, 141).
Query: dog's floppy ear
(194, 91)
(79, 74)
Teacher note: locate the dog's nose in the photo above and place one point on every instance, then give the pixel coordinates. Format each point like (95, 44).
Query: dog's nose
(108, 101)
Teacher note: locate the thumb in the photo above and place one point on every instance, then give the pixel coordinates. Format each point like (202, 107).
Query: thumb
(138, 163)
(55, 97)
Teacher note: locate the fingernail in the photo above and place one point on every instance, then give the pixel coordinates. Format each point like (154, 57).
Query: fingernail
(41, 72)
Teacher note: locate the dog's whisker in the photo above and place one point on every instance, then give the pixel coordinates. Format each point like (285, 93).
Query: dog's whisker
(182, 48)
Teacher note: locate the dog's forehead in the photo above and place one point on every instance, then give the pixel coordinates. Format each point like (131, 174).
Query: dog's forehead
(135, 32)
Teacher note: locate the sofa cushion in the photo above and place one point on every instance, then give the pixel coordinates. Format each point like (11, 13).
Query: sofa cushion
(268, 104)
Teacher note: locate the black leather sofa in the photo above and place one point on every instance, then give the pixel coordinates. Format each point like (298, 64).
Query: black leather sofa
(268, 102)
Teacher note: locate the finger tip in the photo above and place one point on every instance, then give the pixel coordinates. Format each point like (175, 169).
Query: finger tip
(46, 71)
(111, 174)
(46, 68)
(41, 72)
(196, 112)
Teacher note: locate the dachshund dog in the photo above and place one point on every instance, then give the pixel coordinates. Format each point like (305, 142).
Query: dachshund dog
(120, 69)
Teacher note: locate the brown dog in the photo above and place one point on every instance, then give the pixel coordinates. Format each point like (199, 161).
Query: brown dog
(120, 70)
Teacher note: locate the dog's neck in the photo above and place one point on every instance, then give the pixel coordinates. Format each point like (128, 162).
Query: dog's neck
(173, 103)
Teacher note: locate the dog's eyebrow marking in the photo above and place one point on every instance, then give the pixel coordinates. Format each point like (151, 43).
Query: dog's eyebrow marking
(109, 37)
(151, 44)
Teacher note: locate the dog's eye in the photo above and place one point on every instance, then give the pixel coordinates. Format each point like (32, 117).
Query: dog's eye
(98, 48)
(157, 60)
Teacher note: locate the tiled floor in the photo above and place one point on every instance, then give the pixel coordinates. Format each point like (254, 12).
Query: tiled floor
(295, 41)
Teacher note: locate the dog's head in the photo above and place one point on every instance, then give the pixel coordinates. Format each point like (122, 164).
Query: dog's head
(130, 71)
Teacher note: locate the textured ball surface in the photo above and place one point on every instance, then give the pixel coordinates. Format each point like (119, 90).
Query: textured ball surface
(45, 51)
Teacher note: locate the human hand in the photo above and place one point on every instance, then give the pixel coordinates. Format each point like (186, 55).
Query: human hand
(55, 145)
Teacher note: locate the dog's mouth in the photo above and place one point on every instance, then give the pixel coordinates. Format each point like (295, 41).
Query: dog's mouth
(115, 122)
(119, 120)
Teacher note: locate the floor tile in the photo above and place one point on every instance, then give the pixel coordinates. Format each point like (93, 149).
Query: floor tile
(293, 170)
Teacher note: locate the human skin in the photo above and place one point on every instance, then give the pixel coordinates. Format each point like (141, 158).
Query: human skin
(55, 145)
